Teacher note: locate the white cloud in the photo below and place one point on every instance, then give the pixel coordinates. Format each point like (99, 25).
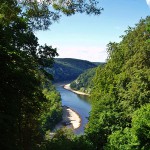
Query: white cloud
(148, 2)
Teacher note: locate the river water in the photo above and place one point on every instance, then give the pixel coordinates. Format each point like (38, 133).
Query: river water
(77, 103)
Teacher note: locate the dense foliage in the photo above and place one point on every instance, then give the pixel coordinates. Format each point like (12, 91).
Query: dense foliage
(26, 94)
(65, 139)
(29, 104)
(120, 99)
(120, 116)
(84, 82)
(67, 69)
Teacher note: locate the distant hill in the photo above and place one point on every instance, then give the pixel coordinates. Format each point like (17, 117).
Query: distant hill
(99, 63)
(65, 69)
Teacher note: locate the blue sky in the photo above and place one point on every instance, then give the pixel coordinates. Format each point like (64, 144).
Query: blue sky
(85, 37)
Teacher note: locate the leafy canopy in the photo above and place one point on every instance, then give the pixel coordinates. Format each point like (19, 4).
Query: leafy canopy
(29, 105)
(122, 87)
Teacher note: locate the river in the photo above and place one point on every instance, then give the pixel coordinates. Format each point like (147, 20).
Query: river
(76, 102)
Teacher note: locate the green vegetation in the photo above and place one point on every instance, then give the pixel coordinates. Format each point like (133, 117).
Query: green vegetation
(52, 110)
(120, 116)
(84, 82)
(29, 104)
(66, 69)
(65, 139)
(99, 63)
(121, 95)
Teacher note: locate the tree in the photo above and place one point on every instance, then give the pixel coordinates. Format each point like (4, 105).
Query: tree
(141, 126)
(120, 88)
(21, 83)
(42, 14)
(65, 139)
(23, 90)
(136, 137)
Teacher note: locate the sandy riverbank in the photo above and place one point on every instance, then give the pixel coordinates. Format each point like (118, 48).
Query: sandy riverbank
(67, 87)
(70, 119)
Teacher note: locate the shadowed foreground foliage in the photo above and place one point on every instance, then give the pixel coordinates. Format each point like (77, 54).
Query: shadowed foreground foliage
(29, 104)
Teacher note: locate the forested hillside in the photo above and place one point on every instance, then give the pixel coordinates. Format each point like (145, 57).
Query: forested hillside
(29, 104)
(84, 82)
(65, 69)
(120, 117)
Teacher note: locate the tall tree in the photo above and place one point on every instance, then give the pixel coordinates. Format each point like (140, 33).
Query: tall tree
(23, 90)
(121, 87)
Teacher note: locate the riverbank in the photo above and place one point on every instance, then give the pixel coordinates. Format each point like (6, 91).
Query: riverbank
(70, 119)
(77, 103)
(67, 87)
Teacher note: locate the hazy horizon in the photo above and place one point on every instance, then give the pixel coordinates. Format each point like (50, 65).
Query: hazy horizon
(77, 59)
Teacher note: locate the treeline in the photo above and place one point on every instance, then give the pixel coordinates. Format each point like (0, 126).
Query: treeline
(30, 106)
(84, 82)
(120, 116)
(67, 69)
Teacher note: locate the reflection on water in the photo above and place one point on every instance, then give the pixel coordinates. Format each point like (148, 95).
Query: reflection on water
(79, 103)
(84, 98)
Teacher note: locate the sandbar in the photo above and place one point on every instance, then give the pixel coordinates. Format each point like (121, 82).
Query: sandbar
(70, 119)
(67, 87)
